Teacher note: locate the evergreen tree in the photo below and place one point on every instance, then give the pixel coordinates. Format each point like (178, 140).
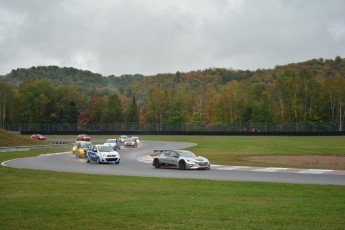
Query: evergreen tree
(115, 108)
(133, 115)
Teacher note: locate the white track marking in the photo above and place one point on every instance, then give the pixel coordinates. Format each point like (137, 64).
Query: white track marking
(233, 168)
(315, 171)
(269, 169)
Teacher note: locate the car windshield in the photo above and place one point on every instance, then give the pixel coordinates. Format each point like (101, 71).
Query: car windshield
(110, 141)
(86, 145)
(184, 153)
(105, 148)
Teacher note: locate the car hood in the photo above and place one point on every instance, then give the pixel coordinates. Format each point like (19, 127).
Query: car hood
(197, 158)
(109, 153)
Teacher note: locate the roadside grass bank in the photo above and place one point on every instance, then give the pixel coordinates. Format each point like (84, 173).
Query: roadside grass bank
(32, 199)
(13, 139)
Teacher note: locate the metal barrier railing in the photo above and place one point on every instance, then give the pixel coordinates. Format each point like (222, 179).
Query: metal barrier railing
(178, 127)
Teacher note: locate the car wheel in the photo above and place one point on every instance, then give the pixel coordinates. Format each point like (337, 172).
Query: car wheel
(182, 165)
(156, 163)
(98, 161)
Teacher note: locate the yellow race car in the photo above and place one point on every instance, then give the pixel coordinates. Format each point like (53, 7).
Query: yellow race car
(80, 148)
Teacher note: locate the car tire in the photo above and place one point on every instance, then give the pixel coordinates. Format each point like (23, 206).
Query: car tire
(88, 160)
(98, 161)
(182, 165)
(156, 163)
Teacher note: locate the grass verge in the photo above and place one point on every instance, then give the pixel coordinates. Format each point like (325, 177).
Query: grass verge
(33, 199)
(48, 200)
(232, 150)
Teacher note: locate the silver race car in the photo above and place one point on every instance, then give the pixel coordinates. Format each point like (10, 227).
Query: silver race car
(181, 159)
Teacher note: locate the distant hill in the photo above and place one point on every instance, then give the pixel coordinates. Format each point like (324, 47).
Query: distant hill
(67, 76)
(84, 78)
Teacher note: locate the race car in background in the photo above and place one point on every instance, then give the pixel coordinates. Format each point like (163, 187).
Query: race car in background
(130, 142)
(38, 137)
(136, 139)
(123, 138)
(83, 137)
(80, 148)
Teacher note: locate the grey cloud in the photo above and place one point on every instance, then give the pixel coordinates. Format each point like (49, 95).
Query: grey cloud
(152, 36)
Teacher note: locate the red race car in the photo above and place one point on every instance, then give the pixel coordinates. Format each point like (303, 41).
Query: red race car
(38, 137)
(83, 137)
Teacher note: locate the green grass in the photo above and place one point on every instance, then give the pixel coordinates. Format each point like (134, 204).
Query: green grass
(12, 139)
(232, 150)
(48, 200)
(32, 199)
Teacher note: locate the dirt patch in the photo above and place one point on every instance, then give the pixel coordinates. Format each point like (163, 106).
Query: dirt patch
(319, 161)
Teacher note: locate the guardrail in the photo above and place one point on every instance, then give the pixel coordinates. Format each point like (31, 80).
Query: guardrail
(197, 127)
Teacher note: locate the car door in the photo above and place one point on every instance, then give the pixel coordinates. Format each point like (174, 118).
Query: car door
(164, 158)
(173, 158)
(92, 153)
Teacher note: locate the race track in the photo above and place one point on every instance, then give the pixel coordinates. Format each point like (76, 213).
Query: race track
(137, 162)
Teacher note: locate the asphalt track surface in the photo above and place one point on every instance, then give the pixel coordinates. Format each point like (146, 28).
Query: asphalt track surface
(137, 162)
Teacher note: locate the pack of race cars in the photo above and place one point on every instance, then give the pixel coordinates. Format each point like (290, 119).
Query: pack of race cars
(102, 153)
(108, 153)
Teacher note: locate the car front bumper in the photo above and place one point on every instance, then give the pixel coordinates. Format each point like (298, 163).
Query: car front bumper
(193, 165)
(112, 159)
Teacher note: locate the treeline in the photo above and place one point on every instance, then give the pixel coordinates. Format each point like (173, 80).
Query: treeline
(311, 91)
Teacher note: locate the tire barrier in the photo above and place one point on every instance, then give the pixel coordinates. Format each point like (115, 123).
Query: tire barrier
(61, 142)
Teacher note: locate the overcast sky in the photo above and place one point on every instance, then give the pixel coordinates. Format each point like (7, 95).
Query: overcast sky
(115, 37)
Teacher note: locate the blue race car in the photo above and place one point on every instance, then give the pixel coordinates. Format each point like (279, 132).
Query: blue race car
(103, 154)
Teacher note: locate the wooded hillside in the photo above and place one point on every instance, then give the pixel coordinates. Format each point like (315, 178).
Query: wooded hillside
(311, 91)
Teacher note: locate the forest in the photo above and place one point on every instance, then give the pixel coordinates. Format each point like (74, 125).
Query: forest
(310, 91)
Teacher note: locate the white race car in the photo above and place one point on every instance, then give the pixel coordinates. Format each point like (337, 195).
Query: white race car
(103, 154)
(181, 159)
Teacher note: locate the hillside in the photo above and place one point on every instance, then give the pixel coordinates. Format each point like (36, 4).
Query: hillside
(310, 91)
(83, 79)
(67, 76)
(12, 139)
